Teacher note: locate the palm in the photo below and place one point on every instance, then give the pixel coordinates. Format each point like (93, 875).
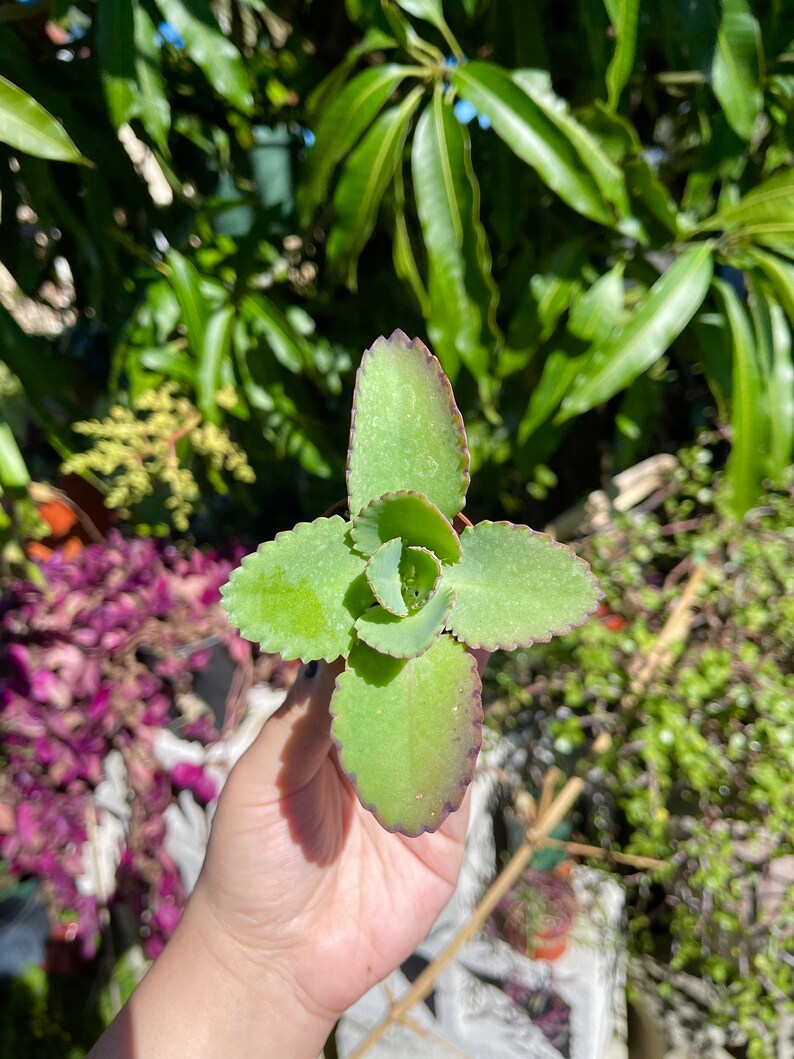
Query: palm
(299, 871)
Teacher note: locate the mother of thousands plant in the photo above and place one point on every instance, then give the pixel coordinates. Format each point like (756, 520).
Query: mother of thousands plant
(402, 597)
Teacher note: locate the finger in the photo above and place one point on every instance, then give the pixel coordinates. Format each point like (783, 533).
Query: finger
(298, 733)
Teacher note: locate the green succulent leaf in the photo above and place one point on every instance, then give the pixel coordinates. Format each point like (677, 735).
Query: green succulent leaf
(384, 578)
(515, 587)
(408, 732)
(409, 636)
(410, 516)
(300, 593)
(406, 431)
(421, 572)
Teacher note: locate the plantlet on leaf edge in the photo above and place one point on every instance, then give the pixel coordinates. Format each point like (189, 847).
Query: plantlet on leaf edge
(402, 597)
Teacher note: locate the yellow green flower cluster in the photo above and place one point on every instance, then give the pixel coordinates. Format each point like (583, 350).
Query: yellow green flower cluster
(138, 450)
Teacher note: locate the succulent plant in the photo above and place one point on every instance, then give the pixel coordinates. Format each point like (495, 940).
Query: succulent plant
(403, 597)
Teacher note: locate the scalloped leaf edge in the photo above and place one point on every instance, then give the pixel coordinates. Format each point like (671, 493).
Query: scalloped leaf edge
(562, 630)
(398, 335)
(463, 784)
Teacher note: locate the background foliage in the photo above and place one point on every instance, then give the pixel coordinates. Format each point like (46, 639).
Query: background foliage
(207, 210)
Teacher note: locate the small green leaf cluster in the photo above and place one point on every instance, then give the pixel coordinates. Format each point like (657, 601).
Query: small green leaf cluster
(701, 765)
(143, 449)
(401, 596)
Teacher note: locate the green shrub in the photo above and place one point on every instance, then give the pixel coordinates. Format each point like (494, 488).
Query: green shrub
(699, 772)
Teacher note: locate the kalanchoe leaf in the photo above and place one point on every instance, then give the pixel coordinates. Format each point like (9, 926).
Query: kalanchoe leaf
(401, 577)
(515, 587)
(411, 517)
(409, 636)
(383, 577)
(420, 571)
(409, 733)
(300, 593)
(406, 431)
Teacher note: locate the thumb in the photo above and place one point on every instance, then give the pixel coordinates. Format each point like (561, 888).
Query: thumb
(295, 741)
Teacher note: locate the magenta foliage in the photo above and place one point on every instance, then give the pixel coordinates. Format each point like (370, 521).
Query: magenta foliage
(99, 658)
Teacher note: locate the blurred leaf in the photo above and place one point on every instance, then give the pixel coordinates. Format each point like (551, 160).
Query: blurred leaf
(749, 423)
(461, 323)
(214, 54)
(115, 42)
(764, 215)
(428, 10)
(26, 126)
(153, 105)
(710, 330)
(647, 188)
(546, 297)
(559, 371)
(594, 312)
(780, 275)
(362, 185)
(341, 126)
(329, 88)
(187, 286)
(217, 338)
(169, 361)
(402, 250)
(13, 472)
(286, 344)
(530, 134)
(773, 341)
(623, 14)
(659, 318)
(736, 69)
(606, 174)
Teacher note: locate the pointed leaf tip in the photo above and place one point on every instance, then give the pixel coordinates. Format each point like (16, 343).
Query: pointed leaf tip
(406, 431)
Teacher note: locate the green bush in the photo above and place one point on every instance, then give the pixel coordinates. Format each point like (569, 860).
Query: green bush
(700, 766)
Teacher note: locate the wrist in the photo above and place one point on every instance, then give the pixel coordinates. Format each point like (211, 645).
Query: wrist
(206, 996)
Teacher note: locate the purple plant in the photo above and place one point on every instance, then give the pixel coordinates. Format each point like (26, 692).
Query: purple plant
(97, 659)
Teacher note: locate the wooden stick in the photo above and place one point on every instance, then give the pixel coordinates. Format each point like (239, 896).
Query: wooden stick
(557, 811)
(579, 849)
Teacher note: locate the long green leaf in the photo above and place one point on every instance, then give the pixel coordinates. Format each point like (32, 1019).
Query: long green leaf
(462, 292)
(342, 125)
(13, 472)
(658, 320)
(773, 337)
(153, 105)
(215, 55)
(363, 183)
(607, 175)
(27, 126)
(428, 10)
(594, 312)
(749, 423)
(559, 371)
(287, 346)
(402, 249)
(764, 215)
(217, 338)
(736, 69)
(116, 54)
(530, 134)
(195, 312)
(624, 16)
(780, 275)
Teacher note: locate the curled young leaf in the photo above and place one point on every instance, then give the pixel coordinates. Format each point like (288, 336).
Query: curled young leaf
(409, 516)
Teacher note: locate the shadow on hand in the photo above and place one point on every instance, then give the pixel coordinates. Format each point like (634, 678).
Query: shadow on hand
(317, 800)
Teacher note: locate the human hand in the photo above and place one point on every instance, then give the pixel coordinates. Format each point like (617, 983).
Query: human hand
(304, 902)
(299, 875)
